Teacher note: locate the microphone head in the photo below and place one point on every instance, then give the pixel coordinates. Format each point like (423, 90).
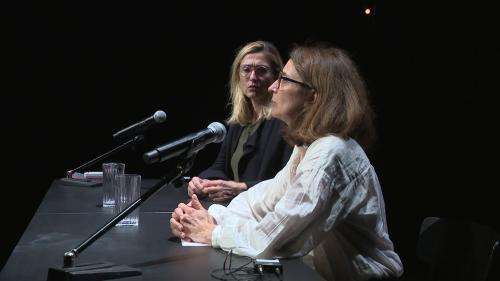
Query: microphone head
(219, 130)
(160, 116)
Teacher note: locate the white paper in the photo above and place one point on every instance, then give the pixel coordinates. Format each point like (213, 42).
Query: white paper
(93, 175)
(192, 244)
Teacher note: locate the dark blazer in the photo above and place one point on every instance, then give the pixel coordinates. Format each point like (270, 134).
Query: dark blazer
(264, 154)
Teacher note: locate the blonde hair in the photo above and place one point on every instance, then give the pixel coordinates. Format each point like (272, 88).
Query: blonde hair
(341, 106)
(242, 110)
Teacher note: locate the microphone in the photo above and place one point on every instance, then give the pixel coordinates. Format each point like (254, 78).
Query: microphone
(139, 127)
(190, 144)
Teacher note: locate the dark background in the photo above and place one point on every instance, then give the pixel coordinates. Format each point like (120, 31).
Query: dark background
(81, 71)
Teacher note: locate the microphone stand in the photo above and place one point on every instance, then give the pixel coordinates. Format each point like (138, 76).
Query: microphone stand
(82, 182)
(100, 271)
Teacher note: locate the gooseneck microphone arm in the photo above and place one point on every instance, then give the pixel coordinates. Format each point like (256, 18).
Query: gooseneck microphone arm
(70, 256)
(98, 271)
(101, 157)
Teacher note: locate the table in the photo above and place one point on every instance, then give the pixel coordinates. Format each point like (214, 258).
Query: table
(69, 214)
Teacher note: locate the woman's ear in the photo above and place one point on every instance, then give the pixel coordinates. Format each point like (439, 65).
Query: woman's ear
(313, 97)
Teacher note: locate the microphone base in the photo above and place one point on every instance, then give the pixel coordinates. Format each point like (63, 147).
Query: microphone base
(92, 272)
(78, 182)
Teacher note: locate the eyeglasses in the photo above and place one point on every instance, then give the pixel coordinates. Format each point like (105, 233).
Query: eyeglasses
(281, 77)
(260, 70)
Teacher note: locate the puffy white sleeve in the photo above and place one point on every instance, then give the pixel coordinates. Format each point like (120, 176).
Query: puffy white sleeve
(261, 221)
(253, 203)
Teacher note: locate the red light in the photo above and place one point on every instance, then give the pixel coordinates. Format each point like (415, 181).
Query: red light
(368, 11)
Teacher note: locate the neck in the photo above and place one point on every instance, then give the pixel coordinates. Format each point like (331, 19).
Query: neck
(257, 105)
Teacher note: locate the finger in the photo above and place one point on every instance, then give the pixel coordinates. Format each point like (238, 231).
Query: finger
(218, 197)
(221, 198)
(176, 228)
(179, 209)
(197, 182)
(186, 209)
(198, 186)
(190, 188)
(208, 183)
(196, 190)
(212, 189)
(228, 193)
(213, 195)
(186, 222)
(175, 224)
(187, 239)
(195, 203)
(177, 213)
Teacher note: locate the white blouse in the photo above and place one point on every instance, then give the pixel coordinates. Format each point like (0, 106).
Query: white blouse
(327, 199)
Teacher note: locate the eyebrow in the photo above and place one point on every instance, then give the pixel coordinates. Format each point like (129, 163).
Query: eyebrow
(247, 64)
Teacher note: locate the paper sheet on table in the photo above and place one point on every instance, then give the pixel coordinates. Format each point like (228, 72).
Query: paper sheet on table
(192, 244)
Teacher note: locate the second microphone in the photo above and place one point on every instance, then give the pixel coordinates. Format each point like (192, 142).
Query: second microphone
(189, 145)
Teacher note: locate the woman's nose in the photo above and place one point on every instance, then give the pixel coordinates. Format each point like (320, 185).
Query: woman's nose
(274, 87)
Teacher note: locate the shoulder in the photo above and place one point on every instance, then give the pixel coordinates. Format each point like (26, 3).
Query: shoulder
(328, 145)
(275, 121)
(233, 128)
(273, 128)
(334, 151)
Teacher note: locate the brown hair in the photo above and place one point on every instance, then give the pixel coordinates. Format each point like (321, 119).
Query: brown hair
(341, 106)
(242, 111)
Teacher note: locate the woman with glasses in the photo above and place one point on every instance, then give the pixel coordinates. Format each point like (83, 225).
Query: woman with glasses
(253, 149)
(326, 204)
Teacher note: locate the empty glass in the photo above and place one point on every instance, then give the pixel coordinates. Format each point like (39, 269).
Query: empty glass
(109, 172)
(128, 190)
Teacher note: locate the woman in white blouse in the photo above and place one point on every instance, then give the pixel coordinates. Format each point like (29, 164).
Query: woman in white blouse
(326, 203)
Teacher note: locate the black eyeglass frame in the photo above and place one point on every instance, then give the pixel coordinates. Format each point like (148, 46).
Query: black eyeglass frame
(282, 77)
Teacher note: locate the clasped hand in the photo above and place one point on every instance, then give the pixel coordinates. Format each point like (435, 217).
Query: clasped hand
(192, 222)
(216, 190)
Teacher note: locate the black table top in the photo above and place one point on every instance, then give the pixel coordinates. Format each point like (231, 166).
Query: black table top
(69, 214)
(79, 199)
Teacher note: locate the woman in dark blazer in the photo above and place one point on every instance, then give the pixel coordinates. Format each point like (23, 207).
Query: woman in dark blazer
(253, 149)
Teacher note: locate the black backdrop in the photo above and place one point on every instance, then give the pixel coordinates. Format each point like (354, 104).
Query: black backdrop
(81, 71)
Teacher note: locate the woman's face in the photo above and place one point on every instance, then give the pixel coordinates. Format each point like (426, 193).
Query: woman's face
(256, 75)
(289, 94)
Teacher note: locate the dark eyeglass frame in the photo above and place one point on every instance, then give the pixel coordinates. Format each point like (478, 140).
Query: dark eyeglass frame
(281, 76)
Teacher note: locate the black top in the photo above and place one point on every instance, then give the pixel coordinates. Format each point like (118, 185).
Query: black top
(264, 154)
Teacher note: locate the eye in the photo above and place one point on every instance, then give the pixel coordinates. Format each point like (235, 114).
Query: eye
(263, 70)
(246, 68)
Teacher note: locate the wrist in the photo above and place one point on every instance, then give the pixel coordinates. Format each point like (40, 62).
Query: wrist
(208, 237)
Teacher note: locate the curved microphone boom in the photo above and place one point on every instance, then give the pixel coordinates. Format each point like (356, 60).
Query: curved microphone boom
(138, 128)
(188, 145)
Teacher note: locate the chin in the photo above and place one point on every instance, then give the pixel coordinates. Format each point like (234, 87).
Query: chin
(250, 94)
(274, 113)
